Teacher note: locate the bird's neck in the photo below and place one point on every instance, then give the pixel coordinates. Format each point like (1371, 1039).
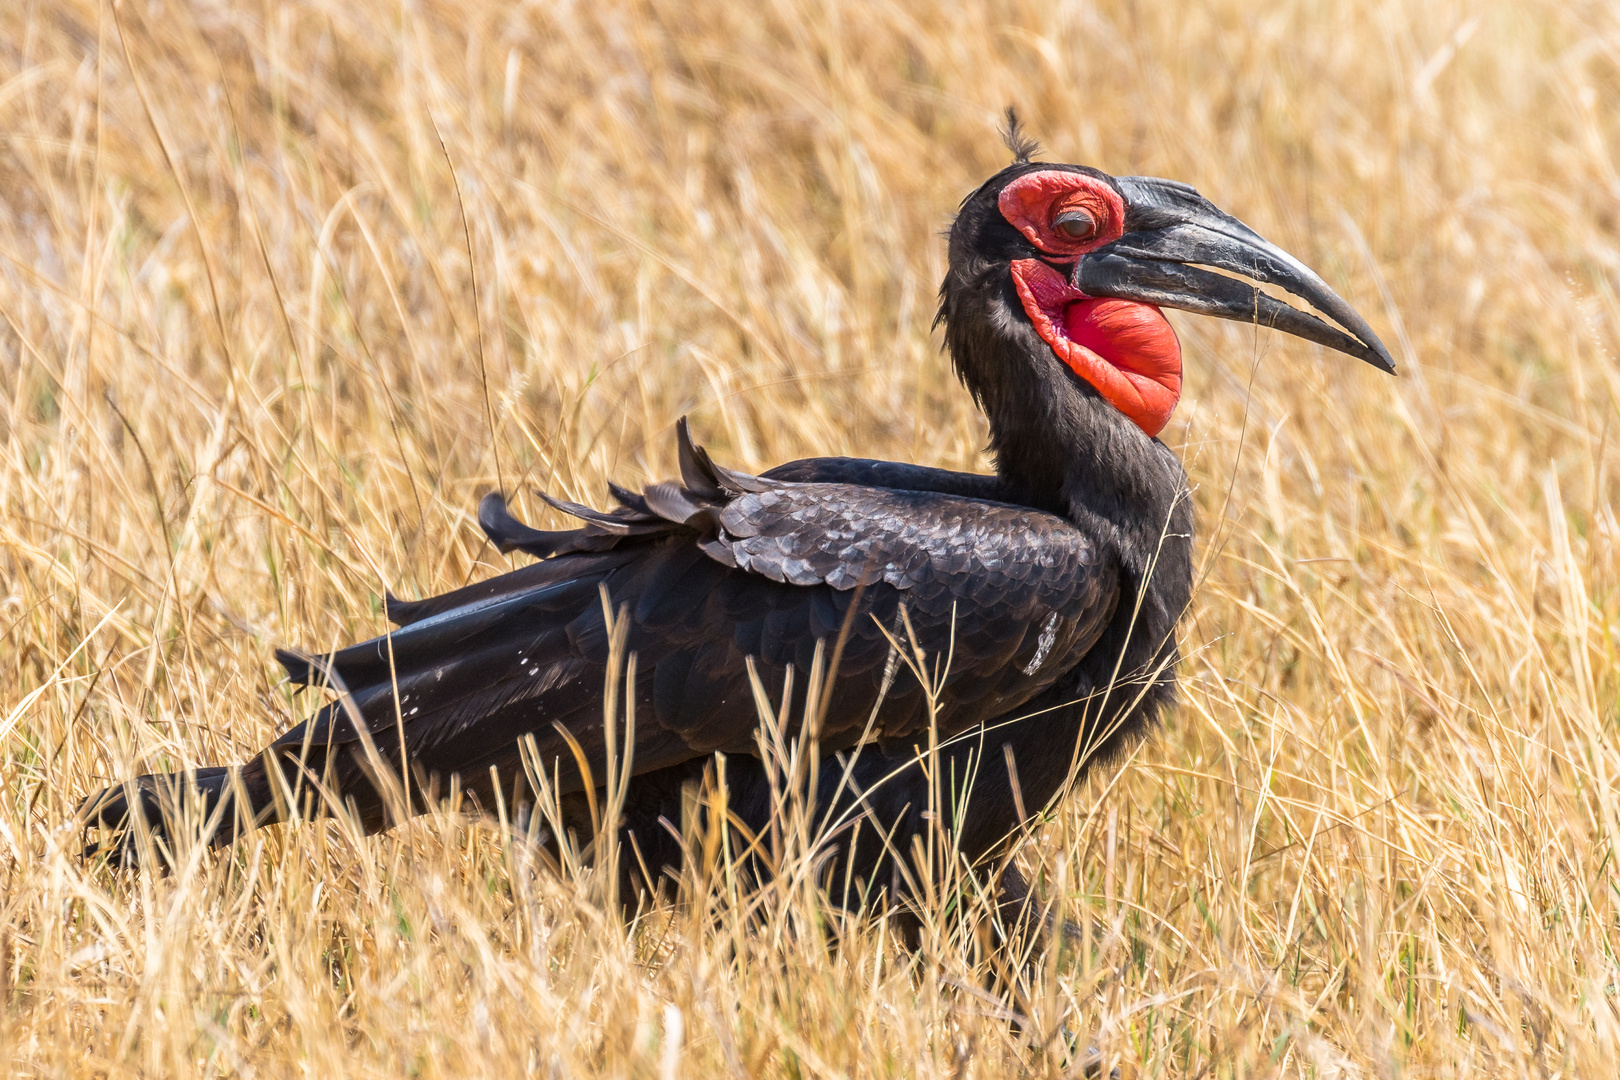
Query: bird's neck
(1057, 444)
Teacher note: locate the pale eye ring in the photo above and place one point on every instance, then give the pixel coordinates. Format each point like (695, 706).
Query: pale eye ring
(1074, 225)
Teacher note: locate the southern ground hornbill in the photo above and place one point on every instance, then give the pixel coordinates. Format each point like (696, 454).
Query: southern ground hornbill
(1044, 598)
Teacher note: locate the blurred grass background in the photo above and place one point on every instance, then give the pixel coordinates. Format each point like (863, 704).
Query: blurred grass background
(286, 286)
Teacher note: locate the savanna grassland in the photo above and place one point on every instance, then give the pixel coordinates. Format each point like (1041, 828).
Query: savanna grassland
(285, 287)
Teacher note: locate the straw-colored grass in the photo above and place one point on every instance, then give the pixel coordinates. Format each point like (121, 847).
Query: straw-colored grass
(286, 286)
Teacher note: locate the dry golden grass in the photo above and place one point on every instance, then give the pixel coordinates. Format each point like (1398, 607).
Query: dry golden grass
(286, 287)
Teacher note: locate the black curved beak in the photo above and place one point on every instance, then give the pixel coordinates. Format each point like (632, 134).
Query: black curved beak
(1169, 227)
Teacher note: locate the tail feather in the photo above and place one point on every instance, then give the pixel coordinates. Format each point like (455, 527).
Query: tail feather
(469, 670)
(159, 804)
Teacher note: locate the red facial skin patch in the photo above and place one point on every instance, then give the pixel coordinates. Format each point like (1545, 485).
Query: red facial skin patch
(1125, 349)
(1033, 201)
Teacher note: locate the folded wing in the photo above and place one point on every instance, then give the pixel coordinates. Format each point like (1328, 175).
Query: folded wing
(712, 571)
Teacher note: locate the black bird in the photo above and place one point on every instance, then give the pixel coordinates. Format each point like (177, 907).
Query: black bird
(1044, 597)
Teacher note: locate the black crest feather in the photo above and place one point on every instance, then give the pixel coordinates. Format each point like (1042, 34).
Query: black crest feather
(1022, 145)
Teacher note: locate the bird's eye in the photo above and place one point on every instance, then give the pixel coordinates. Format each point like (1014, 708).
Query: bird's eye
(1074, 225)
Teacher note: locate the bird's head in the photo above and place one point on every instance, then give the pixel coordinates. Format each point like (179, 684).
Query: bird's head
(1086, 261)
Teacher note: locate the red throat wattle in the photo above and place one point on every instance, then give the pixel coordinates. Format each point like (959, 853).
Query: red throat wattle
(1125, 349)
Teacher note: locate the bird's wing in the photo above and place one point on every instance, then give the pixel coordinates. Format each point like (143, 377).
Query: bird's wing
(999, 600)
(897, 475)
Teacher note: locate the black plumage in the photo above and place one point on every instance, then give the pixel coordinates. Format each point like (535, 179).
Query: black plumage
(711, 571)
(1053, 586)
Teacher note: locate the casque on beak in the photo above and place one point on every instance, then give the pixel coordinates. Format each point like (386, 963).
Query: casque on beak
(1171, 230)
